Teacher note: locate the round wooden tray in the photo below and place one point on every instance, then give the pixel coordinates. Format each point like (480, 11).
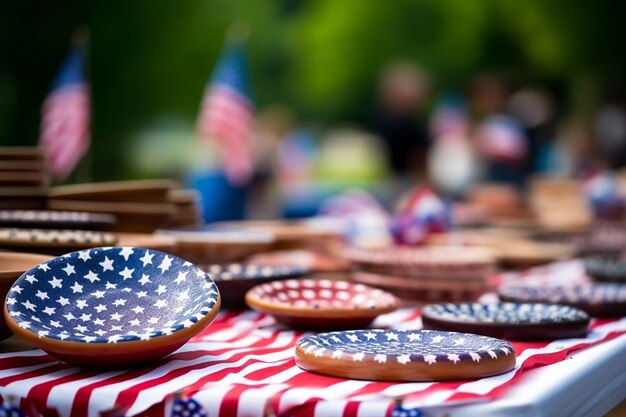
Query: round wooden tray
(404, 355)
(602, 300)
(321, 304)
(53, 241)
(217, 245)
(235, 279)
(12, 265)
(512, 321)
(431, 262)
(425, 290)
(111, 307)
(144, 191)
(51, 219)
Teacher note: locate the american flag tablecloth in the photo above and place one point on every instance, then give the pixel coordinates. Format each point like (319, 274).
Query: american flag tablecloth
(242, 365)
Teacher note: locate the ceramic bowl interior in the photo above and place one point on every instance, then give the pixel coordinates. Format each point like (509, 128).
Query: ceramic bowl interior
(128, 303)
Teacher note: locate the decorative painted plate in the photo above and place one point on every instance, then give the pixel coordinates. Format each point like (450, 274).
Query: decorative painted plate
(54, 241)
(212, 244)
(434, 261)
(605, 299)
(404, 355)
(46, 219)
(12, 265)
(606, 268)
(321, 304)
(513, 321)
(111, 307)
(235, 279)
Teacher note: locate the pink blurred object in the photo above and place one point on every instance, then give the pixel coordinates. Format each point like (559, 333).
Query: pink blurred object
(365, 221)
(421, 213)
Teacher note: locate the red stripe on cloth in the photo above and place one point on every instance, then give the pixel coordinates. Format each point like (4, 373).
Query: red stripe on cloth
(352, 409)
(230, 401)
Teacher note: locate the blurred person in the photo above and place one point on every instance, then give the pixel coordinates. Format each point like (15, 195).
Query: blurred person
(403, 91)
(535, 110)
(499, 136)
(609, 129)
(452, 163)
(274, 125)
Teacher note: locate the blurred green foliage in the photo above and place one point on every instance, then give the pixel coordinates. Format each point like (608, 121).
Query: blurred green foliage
(152, 59)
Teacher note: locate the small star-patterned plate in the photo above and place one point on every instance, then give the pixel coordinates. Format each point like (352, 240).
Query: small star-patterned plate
(404, 355)
(321, 304)
(235, 279)
(111, 307)
(513, 321)
(12, 265)
(51, 219)
(54, 241)
(601, 300)
(606, 268)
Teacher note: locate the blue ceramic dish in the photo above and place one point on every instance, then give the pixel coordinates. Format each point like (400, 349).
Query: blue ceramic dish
(111, 307)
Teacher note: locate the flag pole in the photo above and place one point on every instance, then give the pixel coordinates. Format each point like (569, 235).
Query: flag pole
(80, 38)
(238, 31)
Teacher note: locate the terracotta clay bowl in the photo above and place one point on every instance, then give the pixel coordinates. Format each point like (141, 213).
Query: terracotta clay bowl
(445, 262)
(512, 321)
(235, 279)
(111, 307)
(12, 265)
(217, 244)
(140, 191)
(601, 300)
(412, 290)
(50, 219)
(404, 355)
(606, 268)
(321, 304)
(51, 241)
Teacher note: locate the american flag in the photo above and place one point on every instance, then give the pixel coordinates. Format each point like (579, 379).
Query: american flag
(227, 114)
(65, 119)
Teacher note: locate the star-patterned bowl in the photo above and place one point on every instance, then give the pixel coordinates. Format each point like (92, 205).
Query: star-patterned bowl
(598, 299)
(111, 307)
(321, 304)
(404, 355)
(512, 321)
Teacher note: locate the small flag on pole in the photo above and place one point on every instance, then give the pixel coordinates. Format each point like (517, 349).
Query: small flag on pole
(227, 114)
(65, 119)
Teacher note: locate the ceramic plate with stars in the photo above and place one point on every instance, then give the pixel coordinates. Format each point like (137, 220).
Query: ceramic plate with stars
(46, 219)
(54, 241)
(321, 304)
(235, 279)
(600, 299)
(113, 307)
(404, 355)
(513, 321)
